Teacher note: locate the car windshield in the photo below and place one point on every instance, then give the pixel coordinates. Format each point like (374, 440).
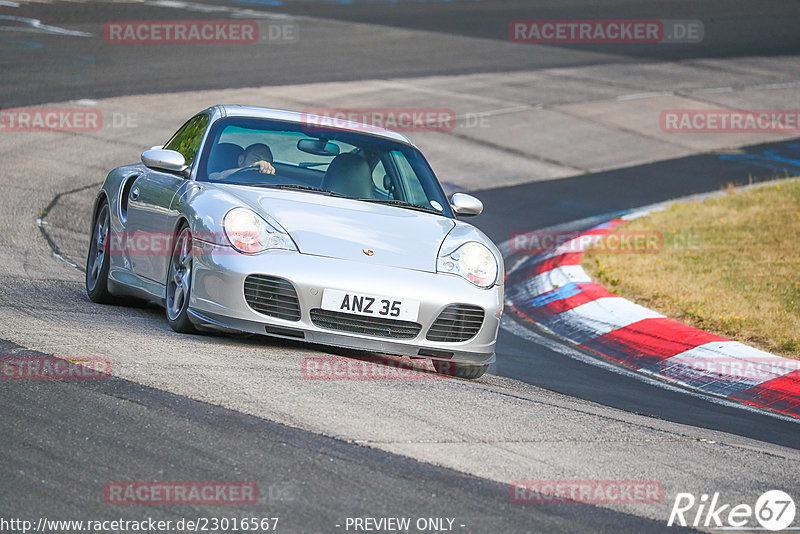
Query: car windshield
(266, 153)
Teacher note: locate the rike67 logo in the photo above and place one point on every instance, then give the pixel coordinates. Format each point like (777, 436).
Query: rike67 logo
(774, 510)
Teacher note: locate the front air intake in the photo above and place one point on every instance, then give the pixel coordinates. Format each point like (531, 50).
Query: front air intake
(272, 296)
(457, 322)
(368, 326)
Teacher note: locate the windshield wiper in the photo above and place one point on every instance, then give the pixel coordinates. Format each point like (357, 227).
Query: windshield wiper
(401, 204)
(387, 201)
(298, 187)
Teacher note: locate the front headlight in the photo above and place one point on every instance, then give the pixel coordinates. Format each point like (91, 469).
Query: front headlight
(248, 233)
(473, 261)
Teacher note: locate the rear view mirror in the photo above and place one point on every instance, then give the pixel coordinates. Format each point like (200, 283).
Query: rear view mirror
(318, 147)
(464, 204)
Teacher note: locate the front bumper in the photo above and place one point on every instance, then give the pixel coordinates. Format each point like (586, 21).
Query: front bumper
(218, 301)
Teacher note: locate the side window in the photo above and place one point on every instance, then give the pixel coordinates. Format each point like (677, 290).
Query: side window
(377, 178)
(188, 138)
(413, 187)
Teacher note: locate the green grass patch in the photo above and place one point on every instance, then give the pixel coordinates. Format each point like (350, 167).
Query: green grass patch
(729, 265)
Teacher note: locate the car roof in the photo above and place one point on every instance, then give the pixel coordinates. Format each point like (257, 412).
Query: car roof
(238, 110)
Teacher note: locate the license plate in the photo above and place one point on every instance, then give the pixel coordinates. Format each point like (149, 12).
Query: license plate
(370, 305)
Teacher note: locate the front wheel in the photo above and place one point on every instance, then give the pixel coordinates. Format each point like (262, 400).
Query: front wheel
(97, 262)
(459, 370)
(179, 283)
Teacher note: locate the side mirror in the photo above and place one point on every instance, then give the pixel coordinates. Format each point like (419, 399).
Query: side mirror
(165, 160)
(464, 204)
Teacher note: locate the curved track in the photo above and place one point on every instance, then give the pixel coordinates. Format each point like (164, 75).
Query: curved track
(226, 408)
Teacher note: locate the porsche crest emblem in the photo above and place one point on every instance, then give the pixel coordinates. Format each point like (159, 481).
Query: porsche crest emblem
(367, 251)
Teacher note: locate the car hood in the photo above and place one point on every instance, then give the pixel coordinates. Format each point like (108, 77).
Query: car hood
(355, 230)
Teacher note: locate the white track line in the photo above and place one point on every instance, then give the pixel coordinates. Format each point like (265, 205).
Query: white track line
(36, 26)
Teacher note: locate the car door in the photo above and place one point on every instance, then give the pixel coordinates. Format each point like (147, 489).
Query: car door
(150, 219)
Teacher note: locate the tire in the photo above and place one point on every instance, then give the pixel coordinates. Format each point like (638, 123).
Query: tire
(459, 370)
(98, 260)
(179, 283)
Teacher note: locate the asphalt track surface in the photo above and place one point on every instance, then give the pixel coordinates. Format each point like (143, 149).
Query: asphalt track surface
(138, 431)
(465, 36)
(61, 442)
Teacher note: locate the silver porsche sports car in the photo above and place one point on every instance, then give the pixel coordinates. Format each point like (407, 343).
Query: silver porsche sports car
(287, 224)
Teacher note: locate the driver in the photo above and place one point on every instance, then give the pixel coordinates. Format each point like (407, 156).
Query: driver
(258, 156)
